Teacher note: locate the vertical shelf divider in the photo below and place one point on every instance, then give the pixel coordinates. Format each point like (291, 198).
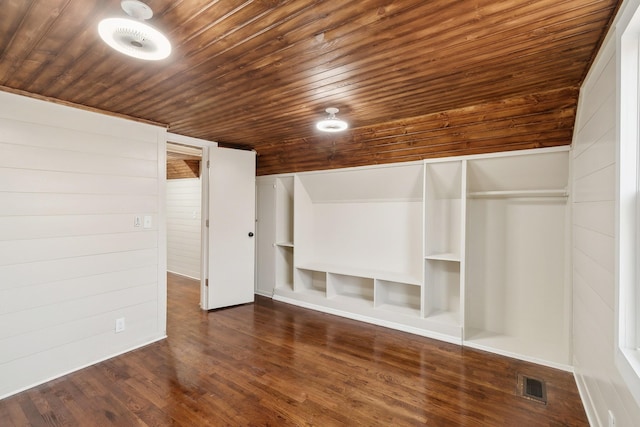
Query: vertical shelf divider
(463, 245)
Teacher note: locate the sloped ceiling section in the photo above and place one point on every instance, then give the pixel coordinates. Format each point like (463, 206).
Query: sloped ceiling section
(414, 78)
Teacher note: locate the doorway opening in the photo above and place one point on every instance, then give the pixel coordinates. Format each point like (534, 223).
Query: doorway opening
(184, 209)
(227, 250)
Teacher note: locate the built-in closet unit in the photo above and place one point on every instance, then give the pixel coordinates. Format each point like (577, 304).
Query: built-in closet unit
(470, 250)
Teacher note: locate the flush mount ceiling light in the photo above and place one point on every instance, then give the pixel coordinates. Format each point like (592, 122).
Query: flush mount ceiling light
(132, 36)
(332, 124)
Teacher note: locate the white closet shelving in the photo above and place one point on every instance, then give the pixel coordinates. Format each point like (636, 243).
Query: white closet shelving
(358, 237)
(517, 296)
(284, 232)
(471, 250)
(444, 245)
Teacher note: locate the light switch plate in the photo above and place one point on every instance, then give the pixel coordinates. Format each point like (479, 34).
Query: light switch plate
(120, 325)
(147, 221)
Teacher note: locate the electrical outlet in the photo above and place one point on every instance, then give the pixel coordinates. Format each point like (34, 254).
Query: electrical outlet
(612, 419)
(147, 221)
(120, 326)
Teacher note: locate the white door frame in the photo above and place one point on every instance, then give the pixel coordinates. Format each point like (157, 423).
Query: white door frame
(204, 210)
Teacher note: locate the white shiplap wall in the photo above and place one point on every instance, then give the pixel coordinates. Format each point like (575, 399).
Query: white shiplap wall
(594, 222)
(184, 198)
(71, 260)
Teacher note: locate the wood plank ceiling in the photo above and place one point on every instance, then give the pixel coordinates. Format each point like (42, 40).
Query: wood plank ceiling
(414, 78)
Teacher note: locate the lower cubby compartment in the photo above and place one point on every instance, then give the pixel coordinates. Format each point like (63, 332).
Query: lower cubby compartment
(284, 267)
(516, 292)
(442, 291)
(310, 281)
(397, 297)
(395, 316)
(358, 289)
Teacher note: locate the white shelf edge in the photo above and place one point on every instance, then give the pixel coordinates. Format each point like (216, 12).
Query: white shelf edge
(442, 197)
(387, 200)
(288, 286)
(312, 291)
(352, 299)
(444, 317)
(446, 256)
(284, 244)
(518, 193)
(401, 309)
(363, 273)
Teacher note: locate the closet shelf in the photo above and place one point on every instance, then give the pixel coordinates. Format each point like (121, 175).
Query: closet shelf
(361, 272)
(446, 256)
(400, 309)
(518, 193)
(284, 244)
(445, 317)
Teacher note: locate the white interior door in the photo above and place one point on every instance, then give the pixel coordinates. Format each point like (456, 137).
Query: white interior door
(231, 227)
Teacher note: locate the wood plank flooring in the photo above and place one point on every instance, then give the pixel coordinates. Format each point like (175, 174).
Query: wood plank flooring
(272, 364)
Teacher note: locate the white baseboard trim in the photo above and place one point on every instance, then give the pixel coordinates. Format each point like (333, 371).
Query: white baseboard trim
(183, 275)
(62, 374)
(537, 361)
(587, 401)
(262, 293)
(367, 319)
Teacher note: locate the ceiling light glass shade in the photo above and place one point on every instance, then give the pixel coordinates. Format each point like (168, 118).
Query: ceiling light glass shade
(134, 38)
(332, 124)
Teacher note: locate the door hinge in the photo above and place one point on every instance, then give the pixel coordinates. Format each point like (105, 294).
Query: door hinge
(207, 223)
(208, 164)
(206, 282)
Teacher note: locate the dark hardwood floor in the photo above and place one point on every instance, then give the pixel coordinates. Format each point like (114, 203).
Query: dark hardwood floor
(272, 364)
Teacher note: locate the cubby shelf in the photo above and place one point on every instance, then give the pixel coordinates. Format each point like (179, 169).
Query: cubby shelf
(447, 256)
(361, 272)
(400, 309)
(284, 244)
(469, 250)
(519, 193)
(445, 317)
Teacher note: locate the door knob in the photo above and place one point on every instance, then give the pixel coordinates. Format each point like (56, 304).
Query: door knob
(251, 234)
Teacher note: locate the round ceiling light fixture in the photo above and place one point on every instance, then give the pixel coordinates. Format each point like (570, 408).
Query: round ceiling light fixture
(132, 36)
(331, 123)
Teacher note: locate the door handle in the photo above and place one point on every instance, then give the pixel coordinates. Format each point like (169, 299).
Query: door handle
(251, 234)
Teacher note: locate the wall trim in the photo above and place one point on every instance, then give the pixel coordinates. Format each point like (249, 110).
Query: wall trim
(585, 396)
(183, 275)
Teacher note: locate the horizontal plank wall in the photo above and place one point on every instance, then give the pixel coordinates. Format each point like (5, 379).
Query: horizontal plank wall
(72, 259)
(593, 253)
(533, 121)
(184, 197)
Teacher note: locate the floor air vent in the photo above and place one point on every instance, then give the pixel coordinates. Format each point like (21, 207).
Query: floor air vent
(532, 388)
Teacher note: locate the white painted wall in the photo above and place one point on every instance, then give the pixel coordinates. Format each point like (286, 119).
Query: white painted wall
(184, 198)
(594, 190)
(71, 260)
